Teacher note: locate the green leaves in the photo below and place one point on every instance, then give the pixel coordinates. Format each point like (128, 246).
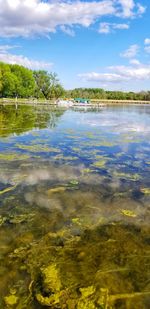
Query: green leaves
(47, 85)
(18, 81)
(15, 80)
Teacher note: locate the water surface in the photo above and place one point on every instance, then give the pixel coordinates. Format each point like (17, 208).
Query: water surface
(74, 208)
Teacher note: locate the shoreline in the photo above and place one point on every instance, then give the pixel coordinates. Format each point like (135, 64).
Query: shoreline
(93, 102)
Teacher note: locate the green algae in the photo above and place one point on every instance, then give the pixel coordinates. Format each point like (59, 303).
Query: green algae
(108, 144)
(76, 221)
(100, 164)
(85, 300)
(60, 189)
(2, 220)
(56, 190)
(129, 141)
(132, 177)
(99, 285)
(145, 190)
(87, 170)
(65, 158)
(82, 273)
(95, 247)
(86, 292)
(37, 148)
(90, 135)
(11, 300)
(7, 190)
(76, 149)
(51, 281)
(17, 219)
(51, 285)
(74, 182)
(13, 156)
(128, 213)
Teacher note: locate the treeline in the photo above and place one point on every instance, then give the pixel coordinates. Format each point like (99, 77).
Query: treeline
(18, 81)
(98, 93)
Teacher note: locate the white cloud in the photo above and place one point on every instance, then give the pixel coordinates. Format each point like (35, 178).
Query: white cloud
(131, 52)
(104, 28)
(5, 48)
(100, 77)
(135, 62)
(67, 30)
(141, 9)
(121, 26)
(147, 49)
(147, 41)
(128, 6)
(37, 17)
(147, 45)
(109, 27)
(21, 60)
(119, 74)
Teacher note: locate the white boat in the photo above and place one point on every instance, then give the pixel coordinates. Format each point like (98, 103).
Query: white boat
(64, 103)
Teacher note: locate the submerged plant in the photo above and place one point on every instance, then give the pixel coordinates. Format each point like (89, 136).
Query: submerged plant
(145, 190)
(51, 286)
(128, 213)
(100, 163)
(11, 300)
(7, 190)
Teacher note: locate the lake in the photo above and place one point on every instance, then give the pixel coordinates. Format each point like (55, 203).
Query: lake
(75, 207)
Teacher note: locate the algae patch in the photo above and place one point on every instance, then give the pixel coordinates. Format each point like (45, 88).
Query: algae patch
(56, 190)
(128, 213)
(100, 163)
(7, 190)
(11, 300)
(38, 148)
(13, 156)
(145, 190)
(51, 286)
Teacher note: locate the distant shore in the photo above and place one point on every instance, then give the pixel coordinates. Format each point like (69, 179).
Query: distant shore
(95, 102)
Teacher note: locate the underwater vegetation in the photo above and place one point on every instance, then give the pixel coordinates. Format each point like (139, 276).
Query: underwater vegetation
(94, 270)
(74, 208)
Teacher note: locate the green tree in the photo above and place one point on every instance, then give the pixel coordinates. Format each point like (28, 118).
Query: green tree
(25, 83)
(42, 83)
(15, 80)
(47, 85)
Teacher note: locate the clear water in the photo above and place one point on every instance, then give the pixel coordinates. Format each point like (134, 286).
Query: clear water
(74, 208)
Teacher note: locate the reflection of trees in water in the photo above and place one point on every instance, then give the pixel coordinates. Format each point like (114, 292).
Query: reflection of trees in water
(26, 118)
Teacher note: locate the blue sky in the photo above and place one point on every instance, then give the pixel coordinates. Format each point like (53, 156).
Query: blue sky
(88, 43)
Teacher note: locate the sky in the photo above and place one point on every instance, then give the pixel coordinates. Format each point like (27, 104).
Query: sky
(88, 43)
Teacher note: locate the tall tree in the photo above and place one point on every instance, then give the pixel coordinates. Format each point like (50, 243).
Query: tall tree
(47, 85)
(15, 80)
(25, 83)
